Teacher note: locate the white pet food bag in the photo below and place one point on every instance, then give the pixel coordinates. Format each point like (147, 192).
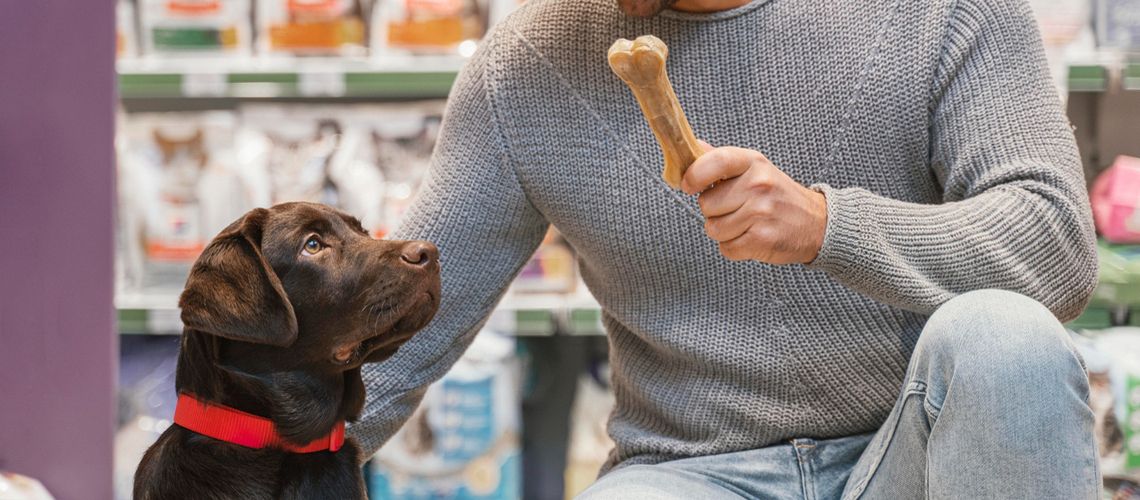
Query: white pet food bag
(310, 154)
(399, 140)
(1113, 361)
(462, 443)
(177, 189)
(126, 31)
(195, 27)
(17, 487)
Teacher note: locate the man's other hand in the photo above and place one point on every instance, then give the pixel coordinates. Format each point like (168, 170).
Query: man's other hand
(754, 210)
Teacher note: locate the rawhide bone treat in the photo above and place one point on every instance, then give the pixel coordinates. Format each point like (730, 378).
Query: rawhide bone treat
(641, 65)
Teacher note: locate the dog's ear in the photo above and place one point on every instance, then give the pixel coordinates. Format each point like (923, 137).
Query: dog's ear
(232, 291)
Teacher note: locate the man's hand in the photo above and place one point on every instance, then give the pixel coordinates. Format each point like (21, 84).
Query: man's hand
(753, 209)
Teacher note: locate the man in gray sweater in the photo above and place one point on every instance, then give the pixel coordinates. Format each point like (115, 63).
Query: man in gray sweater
(866, 304)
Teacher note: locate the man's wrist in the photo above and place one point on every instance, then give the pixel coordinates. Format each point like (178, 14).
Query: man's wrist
(816, 231)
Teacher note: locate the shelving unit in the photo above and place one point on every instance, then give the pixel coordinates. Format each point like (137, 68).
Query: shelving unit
(524, 315)
(1097, 76)
(379, 79)
(253, 78)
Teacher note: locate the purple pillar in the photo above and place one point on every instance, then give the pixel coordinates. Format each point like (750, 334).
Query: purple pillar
(58, 344)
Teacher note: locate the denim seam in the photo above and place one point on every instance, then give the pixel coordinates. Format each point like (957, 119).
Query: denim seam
(914, 389)
(807, 486)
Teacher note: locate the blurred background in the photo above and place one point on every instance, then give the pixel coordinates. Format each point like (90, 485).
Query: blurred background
(226, 105)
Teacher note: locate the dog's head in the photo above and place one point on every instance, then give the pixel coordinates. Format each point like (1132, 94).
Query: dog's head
(302, 286)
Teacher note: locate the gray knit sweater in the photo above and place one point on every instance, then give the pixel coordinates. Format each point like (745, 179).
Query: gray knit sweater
(931, 126)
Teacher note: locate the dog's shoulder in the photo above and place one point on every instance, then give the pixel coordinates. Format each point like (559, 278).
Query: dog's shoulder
(323, 475)
(184, 465)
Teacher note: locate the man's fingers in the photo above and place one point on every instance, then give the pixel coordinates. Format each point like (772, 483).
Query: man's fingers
(705, 145)
(728, 227)
(737, 249)
(713, 166)
(722, 198)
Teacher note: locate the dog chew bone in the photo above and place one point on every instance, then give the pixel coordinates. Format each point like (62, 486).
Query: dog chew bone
(641, 65)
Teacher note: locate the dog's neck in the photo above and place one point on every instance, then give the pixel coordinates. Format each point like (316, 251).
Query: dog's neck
(303, 406)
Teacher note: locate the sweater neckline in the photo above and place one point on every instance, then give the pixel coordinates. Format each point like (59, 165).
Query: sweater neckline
(713, 16)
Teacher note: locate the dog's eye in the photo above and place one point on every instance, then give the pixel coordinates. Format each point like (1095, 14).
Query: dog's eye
(312, 247)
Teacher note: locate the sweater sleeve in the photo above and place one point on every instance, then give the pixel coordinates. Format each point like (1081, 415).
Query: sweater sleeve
(474, 209)
(1015, 212)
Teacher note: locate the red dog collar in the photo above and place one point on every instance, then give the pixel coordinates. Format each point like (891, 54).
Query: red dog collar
(238, 427)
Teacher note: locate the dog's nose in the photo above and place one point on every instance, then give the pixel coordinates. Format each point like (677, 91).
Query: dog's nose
(419, 253)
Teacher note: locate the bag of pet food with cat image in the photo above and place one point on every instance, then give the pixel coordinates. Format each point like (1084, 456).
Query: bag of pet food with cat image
(311, 153)
(1113, 360)
(399, 139)
(195, 27)
(311, 27)
(177, 189)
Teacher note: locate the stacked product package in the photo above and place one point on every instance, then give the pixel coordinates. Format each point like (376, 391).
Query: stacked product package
(1118, 23)
(462, 442)
(195, 27)
(178, 187)
(425, 25)
(1067, 32)
(311, 27)
(341, 28)
(184, 176)
(1113, 361)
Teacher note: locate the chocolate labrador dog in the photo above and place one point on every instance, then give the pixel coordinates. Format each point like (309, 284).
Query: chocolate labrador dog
(280, 311)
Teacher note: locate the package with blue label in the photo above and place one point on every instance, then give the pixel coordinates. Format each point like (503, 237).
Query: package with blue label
(462, 443)
(1118, 23)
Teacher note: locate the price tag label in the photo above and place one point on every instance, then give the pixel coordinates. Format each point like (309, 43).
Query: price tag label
(204, 84)
(164, 321)
(321, 84)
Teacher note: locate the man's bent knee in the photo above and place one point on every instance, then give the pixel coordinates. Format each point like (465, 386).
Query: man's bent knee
(1000, 333)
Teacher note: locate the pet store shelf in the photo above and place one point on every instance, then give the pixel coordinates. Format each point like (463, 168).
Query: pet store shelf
(1099, 73)
(1088, 78)
(531, 314)
(392, 77)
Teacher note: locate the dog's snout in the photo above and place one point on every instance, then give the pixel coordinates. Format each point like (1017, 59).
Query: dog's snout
(419, 253)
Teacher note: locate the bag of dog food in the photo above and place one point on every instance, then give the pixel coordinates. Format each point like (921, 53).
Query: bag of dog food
(463, 440)
(195, 27)
(311, 27)
(1115, 197)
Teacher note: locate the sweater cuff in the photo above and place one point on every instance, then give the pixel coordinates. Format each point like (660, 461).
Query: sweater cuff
(842, 233)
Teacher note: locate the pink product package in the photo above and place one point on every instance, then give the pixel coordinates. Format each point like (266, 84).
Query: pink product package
(1115, 200)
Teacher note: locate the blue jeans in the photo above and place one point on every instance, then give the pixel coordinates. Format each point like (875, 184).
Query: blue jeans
(994, 406)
